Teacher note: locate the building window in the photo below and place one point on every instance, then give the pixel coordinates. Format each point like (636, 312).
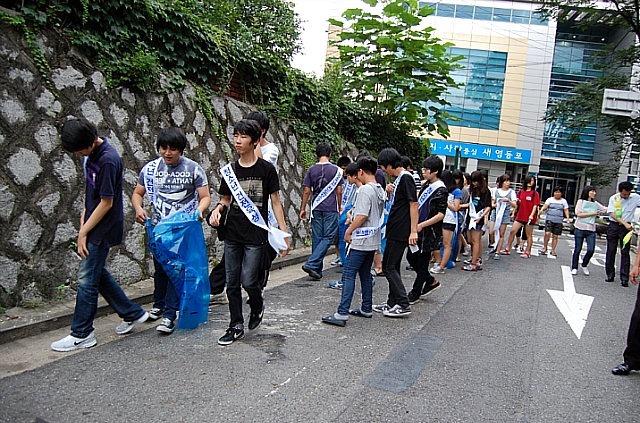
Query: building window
(496, 14)
(478, 103)
(574, 61)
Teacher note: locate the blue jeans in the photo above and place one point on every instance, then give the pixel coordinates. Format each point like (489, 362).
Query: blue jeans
(324, 226)
(358, 262)
(93, 278)
(581, 235)
(165, 296)
(242, 267)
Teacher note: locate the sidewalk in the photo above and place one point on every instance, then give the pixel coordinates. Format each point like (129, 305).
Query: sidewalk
(23, 322)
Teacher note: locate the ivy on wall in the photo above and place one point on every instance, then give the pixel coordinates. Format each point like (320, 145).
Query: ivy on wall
(212, 43)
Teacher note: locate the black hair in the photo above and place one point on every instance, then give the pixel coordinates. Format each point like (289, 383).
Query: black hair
(363, 153)
(527, 181)
(584, 195)
(171, 137)
(467, 177)
(248, 127)
(390, 157)
(343, 161)
(78, 134)
(352, 169)
(625, 186)
(260, 117)
(434, 164)
(406, 162)
(323, 149)
(478, 176)
(368, 164)
(457, 174)
(558, 188)
(502, 179)
(449, 180)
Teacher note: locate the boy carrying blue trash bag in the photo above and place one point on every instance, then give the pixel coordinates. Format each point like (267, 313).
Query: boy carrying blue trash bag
(174, 184)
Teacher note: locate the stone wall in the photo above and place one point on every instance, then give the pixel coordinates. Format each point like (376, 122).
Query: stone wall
(42, 187)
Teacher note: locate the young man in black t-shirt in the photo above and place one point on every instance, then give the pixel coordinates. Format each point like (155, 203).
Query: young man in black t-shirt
(245, 241)
(402, 230)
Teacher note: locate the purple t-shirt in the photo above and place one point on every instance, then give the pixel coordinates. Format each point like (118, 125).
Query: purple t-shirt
(103, 174)
(319, 176)
(380, 178)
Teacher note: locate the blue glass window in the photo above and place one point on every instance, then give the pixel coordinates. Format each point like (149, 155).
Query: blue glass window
(464, 12)
(501, 15)
(520, 16)
(446, 10)
(486, 13)
(483, 13)
(573, 62)
(538, 19)
(478, 103)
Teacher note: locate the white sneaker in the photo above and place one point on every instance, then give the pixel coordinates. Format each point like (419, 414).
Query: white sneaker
(126, 327)
(585, 270)
(437, 270)
(336, 261)
(220, 298)
(574, 271)
(71, 343)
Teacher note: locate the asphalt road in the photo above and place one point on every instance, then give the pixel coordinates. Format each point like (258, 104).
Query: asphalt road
(489, 346)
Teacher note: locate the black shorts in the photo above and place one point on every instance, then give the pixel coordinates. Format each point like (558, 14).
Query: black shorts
(449, 227)
(554, 228)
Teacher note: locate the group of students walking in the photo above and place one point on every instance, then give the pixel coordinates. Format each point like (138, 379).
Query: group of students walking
(433, 217)
(173, 183)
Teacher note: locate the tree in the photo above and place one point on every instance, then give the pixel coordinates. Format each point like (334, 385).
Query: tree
(583, 105)
(394, 67)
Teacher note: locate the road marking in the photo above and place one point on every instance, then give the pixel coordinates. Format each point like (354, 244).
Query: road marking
(573, 306)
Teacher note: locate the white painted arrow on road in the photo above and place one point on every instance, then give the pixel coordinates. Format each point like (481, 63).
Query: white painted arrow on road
(573, 306)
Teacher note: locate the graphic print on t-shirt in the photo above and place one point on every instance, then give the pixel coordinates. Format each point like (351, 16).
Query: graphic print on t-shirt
(253, 188)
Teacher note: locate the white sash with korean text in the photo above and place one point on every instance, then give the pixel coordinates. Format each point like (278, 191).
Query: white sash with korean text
(473, 215)
(346, 193)
(429, 192)
(276, 236)
(502, 206)
(327, 190)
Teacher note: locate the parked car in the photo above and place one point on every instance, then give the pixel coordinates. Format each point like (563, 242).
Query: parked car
(566, 226)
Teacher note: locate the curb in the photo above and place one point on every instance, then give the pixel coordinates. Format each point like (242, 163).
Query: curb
(141, 293)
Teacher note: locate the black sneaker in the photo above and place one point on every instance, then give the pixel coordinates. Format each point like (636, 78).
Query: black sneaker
(255, 319)
(314, 275)
(413, 297)
(428, 289)
(232, 334)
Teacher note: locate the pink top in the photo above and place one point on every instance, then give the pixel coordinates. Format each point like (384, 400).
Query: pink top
(587, 224)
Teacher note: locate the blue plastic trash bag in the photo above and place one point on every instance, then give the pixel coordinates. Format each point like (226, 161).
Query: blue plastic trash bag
(177, 242)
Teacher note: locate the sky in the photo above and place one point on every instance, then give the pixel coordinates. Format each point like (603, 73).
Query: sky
(315, 15)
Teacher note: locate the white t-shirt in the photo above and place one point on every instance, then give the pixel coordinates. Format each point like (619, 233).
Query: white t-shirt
(270, 153)
(500, 193)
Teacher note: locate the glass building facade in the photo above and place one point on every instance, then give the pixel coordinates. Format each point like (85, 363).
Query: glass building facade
(477, 103)
(573, 62)
(496, 14)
